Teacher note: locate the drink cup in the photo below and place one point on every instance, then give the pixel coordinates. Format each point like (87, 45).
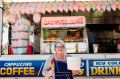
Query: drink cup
(95, 48)
(73, 63)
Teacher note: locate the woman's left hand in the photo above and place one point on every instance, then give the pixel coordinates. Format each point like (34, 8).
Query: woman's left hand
(75, 72)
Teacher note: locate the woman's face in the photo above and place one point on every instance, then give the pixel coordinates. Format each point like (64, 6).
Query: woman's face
(59, 49)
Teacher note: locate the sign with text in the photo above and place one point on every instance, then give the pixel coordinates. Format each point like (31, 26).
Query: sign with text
(68, 21)
(83, 68)
(104, 68)
(28, 68)
(32, 68)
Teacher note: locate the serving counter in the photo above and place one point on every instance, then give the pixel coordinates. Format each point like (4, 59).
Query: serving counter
(90, 70)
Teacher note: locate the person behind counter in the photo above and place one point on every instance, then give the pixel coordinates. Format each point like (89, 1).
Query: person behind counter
(91, 40)
(56, 66)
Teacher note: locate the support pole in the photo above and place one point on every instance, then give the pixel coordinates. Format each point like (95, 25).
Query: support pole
(1, 15)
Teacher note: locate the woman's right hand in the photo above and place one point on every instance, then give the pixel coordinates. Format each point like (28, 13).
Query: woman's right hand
(51, 73)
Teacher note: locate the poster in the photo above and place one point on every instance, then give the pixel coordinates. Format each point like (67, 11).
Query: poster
(104, 68)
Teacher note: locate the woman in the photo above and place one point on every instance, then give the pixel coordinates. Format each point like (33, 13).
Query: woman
(56, 66)
(91, 40)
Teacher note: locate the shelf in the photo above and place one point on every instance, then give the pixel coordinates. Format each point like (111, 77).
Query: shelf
(19, 39)
(19, 31)
(81, 40)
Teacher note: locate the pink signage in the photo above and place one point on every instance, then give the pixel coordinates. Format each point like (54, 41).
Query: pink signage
(68, 21)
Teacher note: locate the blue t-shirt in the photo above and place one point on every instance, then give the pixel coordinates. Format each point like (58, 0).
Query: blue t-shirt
(91, 38)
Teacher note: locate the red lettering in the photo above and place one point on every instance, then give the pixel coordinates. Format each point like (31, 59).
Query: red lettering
(45, 22)
(64, 21)
(79, 21)
(55, 22)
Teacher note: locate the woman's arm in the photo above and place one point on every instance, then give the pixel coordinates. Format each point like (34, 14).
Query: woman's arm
(47, 68)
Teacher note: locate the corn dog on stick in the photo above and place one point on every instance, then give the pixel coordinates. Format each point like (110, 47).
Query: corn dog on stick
(52, 65)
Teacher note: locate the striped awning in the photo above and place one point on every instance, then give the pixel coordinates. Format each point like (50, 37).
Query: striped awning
(48, 0)
(31, 8)
(37, 8)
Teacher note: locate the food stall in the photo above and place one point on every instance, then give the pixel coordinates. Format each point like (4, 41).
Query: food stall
(67, 28)
(71, 29)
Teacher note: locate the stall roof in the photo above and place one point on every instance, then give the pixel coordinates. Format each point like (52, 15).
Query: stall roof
(48, 0)
(37, 7)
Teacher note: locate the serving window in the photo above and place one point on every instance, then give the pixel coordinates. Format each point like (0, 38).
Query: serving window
(68, 35)
(74, 38)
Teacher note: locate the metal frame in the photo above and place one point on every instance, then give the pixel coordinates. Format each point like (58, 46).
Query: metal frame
(1, 20)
